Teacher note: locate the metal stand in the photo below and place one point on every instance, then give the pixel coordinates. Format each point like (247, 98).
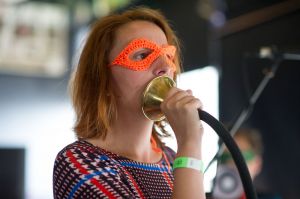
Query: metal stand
(277, 59)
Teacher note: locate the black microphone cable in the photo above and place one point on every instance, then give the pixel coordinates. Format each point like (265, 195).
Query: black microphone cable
(234, 150)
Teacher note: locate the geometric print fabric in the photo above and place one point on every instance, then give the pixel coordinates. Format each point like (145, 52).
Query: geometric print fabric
(82, 170)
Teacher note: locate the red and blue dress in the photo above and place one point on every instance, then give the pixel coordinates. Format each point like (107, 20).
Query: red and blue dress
(82, 170)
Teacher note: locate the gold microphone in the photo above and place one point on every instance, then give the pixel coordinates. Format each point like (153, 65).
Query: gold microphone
(154, 95)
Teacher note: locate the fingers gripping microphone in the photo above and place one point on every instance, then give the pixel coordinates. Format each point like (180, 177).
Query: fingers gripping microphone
(154, 95)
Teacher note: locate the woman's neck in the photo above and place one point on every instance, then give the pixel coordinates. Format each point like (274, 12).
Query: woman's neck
(130, 137)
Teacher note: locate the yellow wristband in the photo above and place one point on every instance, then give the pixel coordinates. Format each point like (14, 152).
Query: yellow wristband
(187, 162)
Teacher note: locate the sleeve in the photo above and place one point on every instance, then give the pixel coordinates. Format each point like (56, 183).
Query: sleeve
(79, 174)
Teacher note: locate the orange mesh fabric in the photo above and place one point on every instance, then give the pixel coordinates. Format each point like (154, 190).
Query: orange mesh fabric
(158, 150)
(154, 145)
(125, 59)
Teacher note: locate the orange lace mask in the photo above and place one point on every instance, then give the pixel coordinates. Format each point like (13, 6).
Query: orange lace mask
(140, 53)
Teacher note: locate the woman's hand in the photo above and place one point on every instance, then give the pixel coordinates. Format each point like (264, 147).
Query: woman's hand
(181, 110)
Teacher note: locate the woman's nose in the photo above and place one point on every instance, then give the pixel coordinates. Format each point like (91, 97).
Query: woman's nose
(163, 67)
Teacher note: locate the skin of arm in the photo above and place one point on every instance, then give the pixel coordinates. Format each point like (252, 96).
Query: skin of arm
(180, 108)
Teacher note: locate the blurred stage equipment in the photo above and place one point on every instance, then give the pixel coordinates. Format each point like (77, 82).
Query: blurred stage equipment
(276, 57)
(228, 184)
(12, 172)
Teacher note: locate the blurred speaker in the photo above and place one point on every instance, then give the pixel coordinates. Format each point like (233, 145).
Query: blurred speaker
(12, 173)
(228, 184)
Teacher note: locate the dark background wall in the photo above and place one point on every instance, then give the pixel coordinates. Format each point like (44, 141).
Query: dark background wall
(277, 112)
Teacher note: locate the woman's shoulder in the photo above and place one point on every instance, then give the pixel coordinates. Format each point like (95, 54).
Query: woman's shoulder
(81, 166)
(83, 152)
(81, 157)
(76, 149)
(78, 146)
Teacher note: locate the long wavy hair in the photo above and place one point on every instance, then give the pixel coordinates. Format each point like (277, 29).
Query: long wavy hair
(94, 104)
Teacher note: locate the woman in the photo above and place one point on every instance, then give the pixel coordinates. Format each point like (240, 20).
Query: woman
(119, 153)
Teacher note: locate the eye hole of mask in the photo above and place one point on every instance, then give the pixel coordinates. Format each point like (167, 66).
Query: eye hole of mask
(140, 54)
